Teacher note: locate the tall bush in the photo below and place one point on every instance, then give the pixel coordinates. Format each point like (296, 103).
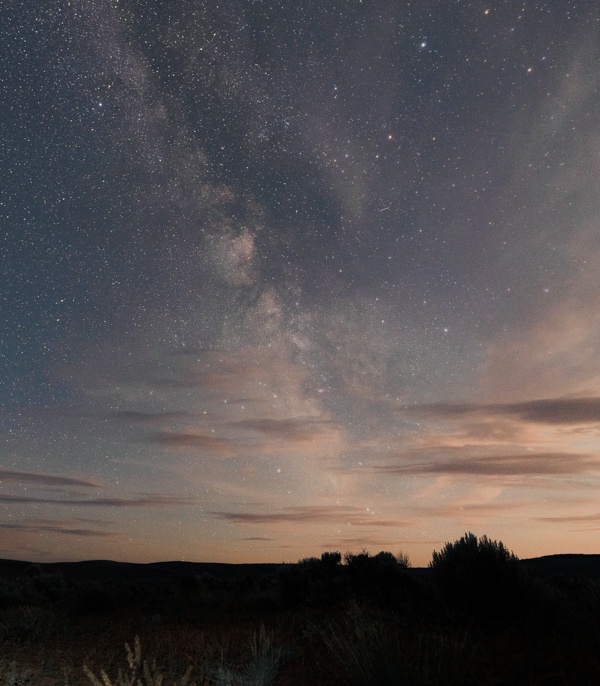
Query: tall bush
(481, 578)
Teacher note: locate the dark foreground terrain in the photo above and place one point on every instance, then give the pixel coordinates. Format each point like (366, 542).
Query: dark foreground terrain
(476, 616)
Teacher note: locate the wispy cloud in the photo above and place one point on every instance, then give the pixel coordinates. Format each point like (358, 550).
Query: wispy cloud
(306, 514)
(296, 429)
(476, 509)
(56, 529)
(544, 411)
(500, 465)
(9, 476)
(571, 518)
(235, 373)
(152, 418)
(196, 440)
(153, 500)
(256, 538)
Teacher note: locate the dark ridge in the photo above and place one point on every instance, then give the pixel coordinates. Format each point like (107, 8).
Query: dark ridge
(580, 565)
(570, 564)
(108, 570)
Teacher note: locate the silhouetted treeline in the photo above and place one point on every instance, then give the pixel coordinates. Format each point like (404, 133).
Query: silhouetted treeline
(471, 580)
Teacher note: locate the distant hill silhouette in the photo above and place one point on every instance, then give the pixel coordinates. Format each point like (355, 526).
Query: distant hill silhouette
(565, 565)
(107, 570)
(576, 565)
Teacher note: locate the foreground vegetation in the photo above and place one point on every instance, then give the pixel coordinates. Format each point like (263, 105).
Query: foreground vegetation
(478, 617)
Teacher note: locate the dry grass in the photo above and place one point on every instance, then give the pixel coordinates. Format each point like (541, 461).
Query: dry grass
(100, 644)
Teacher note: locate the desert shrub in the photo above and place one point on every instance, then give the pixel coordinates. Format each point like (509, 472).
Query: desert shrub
(50, 585)
(266, 660)
(260, 670)
(481, 579)
(381, 578)
(581, 592)
(93, 598)
(264, 593)
(331, 559)
(206, 590)
(384, 560)
(294, 581)
(26, 590)
(203, 583)
(10, 594)
(209, 584)
(30, 623)
(11, 676)
(312, 581)
(403, 560)
(140, 673)
(34, 587)
(372, 650)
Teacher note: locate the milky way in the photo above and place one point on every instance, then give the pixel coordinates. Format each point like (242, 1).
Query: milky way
(280, 278)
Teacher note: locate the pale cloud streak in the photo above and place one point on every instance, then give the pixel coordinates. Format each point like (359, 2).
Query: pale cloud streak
(310, 514)
(11, 476)
(33, 528)
(575, 410)
(195, 440)
(527, 464)
(152, 500)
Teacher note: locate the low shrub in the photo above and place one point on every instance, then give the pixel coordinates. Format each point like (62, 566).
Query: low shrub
(260, 670)
(11, 676)
(10, 594)
(50, 585)
(382, 578)
(372, 650)
(313, 581)
(30, 623)
(93, 598)
(141, 673)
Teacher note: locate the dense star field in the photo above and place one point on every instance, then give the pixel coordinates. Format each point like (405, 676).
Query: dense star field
(286, 277)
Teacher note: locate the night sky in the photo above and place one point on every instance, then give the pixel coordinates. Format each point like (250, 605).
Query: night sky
(286, 277)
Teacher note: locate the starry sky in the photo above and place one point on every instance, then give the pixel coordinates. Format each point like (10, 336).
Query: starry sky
(286, 277)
